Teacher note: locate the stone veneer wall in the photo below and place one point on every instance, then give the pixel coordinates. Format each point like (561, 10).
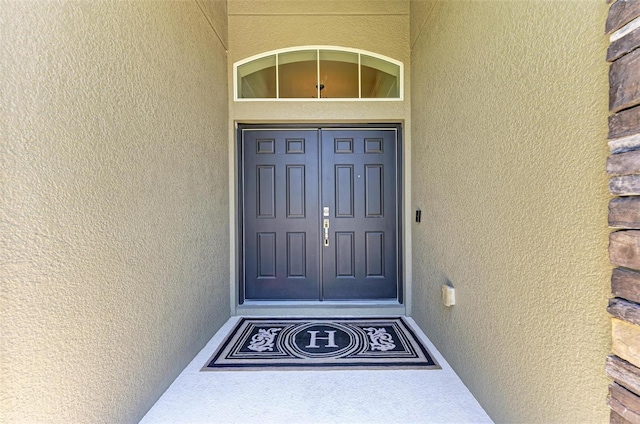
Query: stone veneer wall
(623, 167)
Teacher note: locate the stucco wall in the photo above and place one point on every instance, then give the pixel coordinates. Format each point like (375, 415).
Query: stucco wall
(114, 212)
(509, 109)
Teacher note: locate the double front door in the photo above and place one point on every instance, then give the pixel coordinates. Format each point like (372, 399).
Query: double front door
(320, 214)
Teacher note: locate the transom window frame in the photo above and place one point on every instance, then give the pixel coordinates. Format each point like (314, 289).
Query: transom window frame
(318, 48)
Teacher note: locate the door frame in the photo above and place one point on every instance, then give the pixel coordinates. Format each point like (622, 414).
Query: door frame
(260, 307)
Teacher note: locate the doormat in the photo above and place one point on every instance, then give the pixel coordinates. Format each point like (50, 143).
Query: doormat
(321, 343)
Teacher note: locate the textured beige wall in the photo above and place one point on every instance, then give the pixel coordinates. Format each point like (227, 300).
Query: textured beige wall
(509, 107)
(216, 13)
(114, 213)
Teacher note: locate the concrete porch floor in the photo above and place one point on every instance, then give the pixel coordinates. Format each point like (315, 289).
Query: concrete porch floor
(361, 396)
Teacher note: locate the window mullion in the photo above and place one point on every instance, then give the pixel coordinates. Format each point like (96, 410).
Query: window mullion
(277, 77)
(318, 73)
(359, 77)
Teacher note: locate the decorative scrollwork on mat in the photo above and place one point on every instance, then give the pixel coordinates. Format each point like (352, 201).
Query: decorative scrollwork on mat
(264, 339)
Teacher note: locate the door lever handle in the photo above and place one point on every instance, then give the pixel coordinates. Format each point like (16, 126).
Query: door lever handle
(325, 225)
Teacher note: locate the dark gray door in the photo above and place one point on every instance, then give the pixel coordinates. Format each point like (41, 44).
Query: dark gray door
(281, 214)
(359, 189)
(319, 212)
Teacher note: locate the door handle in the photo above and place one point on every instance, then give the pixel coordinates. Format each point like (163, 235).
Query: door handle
(325, 225)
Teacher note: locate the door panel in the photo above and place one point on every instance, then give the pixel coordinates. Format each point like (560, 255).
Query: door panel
(290, 178)
(280, 214)
(359, 188)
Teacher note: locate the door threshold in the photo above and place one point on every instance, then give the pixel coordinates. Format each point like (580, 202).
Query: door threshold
(320, 309)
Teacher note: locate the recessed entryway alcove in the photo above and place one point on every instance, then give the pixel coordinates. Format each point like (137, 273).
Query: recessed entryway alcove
(120, 211)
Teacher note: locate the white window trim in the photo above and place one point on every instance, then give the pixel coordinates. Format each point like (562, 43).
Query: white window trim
(320, 99)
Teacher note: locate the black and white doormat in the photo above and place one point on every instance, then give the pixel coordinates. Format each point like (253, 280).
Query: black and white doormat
(321, 343)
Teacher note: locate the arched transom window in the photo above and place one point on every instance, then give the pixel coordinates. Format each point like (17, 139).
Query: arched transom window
(320, 73)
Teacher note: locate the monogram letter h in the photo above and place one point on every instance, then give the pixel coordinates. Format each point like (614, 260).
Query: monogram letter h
(331, 339)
